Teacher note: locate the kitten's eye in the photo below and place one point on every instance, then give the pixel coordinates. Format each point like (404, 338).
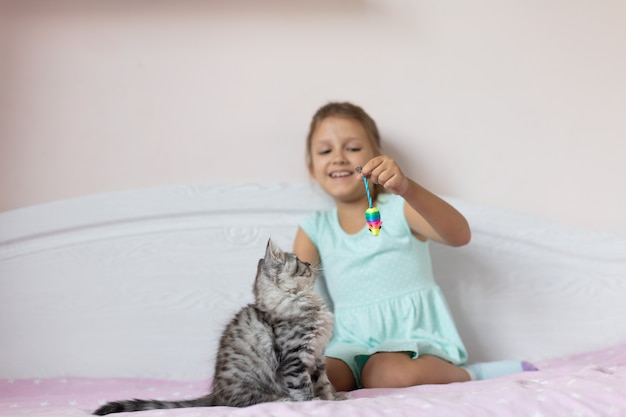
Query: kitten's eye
(300, 260)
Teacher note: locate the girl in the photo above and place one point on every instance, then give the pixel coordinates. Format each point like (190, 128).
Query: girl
(393, 327)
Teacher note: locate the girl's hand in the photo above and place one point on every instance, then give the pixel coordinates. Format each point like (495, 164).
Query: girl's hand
(428, 216)
(385, 171)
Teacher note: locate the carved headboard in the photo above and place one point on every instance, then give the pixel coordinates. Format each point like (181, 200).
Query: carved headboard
(140, 283)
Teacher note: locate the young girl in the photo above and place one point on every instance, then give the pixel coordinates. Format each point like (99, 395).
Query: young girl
(393, 327)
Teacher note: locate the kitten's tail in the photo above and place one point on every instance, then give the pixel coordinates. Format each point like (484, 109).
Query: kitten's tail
(142, 405)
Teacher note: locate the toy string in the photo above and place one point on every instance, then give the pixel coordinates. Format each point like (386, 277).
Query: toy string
(367, 187)
(367, 190)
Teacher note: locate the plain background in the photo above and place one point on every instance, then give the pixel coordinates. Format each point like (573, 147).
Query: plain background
(515, 104)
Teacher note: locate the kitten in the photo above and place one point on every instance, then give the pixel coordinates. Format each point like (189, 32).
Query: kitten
(272, 350)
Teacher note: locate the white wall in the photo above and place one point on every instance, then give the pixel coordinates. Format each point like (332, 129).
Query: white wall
(518, 104)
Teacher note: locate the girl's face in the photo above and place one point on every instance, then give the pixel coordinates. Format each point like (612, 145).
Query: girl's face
(338, 146)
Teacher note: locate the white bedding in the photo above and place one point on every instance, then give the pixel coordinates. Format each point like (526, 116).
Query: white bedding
(589, 384)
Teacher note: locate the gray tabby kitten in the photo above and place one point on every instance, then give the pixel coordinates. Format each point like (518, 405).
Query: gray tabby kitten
(272, 350)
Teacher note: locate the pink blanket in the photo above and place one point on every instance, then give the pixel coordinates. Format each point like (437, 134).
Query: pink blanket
(590, 384)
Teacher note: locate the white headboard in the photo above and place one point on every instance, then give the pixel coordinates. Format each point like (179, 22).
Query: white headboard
(140, 283)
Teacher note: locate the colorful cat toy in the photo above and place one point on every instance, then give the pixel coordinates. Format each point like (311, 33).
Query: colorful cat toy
(372, 215)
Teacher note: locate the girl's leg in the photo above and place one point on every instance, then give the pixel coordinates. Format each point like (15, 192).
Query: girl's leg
(397, 369)
(340, 375)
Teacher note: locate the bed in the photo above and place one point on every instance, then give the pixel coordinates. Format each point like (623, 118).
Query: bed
(121, 295)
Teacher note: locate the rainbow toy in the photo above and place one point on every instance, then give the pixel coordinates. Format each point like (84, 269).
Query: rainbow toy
(372, 215)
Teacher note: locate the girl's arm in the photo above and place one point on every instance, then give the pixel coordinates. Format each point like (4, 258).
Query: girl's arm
(429, 216)
(304, 248)
(433, 218)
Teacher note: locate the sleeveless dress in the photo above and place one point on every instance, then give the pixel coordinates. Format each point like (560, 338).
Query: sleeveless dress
(382, 290)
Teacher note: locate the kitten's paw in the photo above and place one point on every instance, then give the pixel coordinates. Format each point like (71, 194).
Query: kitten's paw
(340, 396)
(334, 396)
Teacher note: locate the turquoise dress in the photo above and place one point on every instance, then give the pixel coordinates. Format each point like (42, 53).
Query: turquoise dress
(382, 290)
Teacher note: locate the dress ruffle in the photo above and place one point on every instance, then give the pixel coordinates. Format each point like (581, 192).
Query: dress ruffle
(418, 322)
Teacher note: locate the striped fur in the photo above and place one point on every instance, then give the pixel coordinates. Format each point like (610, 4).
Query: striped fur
(272, 350)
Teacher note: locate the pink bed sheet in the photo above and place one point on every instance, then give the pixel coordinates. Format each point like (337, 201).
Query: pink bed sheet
(589, 384)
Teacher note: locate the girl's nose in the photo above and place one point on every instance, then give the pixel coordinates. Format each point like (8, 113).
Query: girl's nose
(339, 158)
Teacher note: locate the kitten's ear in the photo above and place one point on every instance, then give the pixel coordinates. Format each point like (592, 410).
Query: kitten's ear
(273, 252)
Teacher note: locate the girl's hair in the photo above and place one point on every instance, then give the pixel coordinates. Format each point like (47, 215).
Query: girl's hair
(348, 111)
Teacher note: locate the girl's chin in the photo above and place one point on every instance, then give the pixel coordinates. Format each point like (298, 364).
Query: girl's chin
(339, 189)
(346, 197)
